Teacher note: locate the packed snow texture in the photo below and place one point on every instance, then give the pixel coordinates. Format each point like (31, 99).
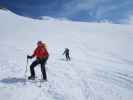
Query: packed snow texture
(101, 66)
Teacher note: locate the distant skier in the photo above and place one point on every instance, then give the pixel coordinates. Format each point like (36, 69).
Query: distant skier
(67, 54)
(41, 55)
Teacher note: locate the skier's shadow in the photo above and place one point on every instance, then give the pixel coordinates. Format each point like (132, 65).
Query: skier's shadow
(12, 80)
(62, 59)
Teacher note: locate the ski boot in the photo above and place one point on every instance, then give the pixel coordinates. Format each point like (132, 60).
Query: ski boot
(31, 78)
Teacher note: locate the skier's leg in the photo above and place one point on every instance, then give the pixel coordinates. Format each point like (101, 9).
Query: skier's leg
(69, 57)
(43, 69)
(66, 57)
(32, 66)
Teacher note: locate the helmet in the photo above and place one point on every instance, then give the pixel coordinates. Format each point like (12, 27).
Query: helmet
(39, 42)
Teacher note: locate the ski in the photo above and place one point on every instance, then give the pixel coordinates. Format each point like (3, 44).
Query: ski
(39, 82)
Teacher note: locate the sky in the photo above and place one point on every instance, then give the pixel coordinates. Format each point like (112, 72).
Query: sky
(116, 11)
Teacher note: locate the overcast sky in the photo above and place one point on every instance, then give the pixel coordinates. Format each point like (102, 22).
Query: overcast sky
(117, 11)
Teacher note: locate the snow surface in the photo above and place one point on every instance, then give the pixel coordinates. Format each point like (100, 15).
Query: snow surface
(101, 67)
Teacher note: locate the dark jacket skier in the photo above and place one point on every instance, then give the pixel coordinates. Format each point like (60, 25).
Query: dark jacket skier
(67, 54)
(41, 55)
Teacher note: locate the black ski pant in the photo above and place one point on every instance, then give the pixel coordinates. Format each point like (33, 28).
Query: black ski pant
(42, 62)
(67, 56)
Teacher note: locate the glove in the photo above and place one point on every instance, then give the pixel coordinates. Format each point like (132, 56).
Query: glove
(29, 57)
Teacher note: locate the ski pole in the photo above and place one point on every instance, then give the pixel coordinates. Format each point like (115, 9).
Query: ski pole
(26, 66)
(27, 63)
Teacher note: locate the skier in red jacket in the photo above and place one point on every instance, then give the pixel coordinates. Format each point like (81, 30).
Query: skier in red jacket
(41, 55)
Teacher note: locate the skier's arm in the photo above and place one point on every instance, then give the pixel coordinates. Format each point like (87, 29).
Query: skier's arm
(64, 52)
(29, 57)
(32, 56)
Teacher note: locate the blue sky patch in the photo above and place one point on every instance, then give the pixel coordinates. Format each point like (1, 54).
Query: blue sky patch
(77, 10)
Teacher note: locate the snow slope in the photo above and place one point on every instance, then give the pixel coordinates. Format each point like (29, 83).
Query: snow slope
(101, 67)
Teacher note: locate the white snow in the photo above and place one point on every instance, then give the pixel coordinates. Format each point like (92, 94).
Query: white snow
(101, 67)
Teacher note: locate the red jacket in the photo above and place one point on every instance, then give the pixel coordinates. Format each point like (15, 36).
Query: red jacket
(40, 52)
